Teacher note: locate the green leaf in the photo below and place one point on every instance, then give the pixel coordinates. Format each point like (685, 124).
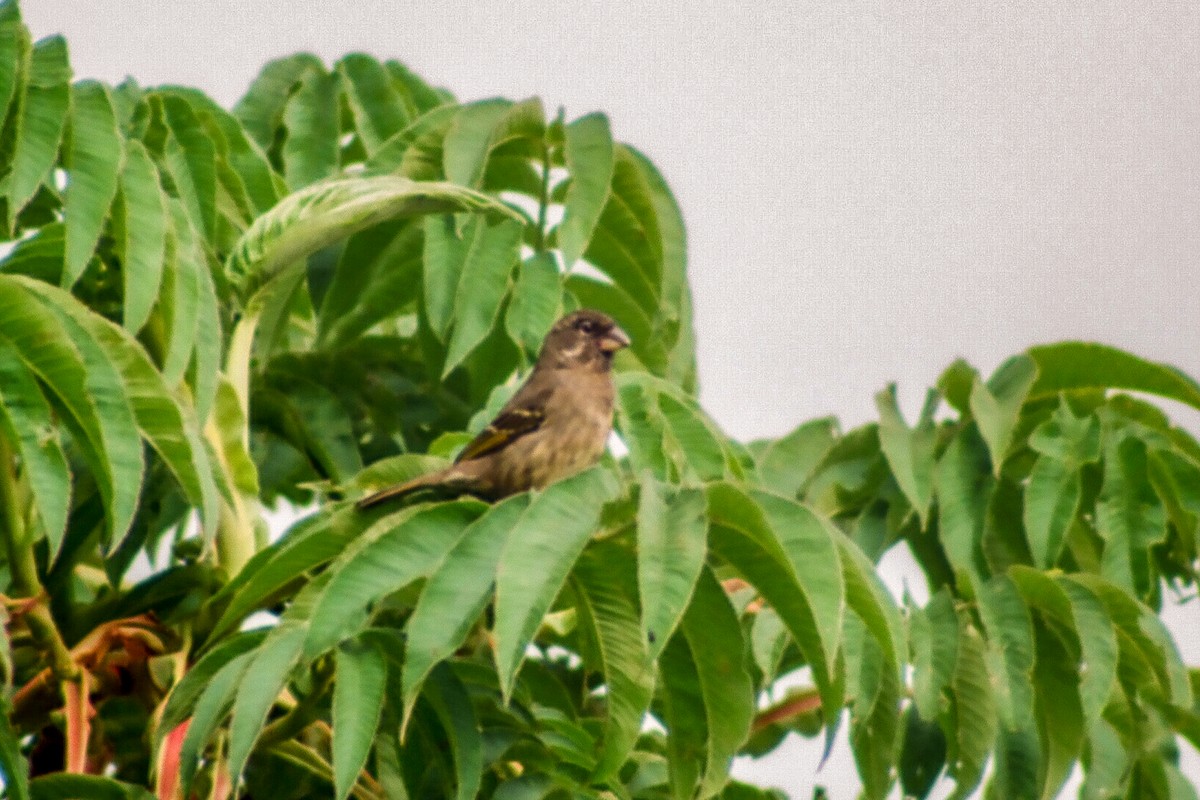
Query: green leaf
(714, 640)
(14, 50)
(167, 425)
(451, 702)
(676, 308)
(260, 685)
(482, 285)
(817, 564)
(261, 109)
(1010, 651)
(357, 703)
(42, 118)
(95, 164)
(469, 140)
(934, 636)
(1015, 763)
(310, 151)
(669, 435)
(387, 557)
(65, 786)
(1105, 763)
(536, 301)
(80, 375)
(684, 714)
(1073, 366)
(964, 487)
(909, 451)
(875, 712)
(1052, 498)
(955, 384)
(974, 712)
(869, 599)
(1098, 645)
(377, 275)
(605, 582)
(27, 422)
(455, 595)
(142, 236)
(181, 292)
(376, 105)
(204, 370)
(195, 682)
(310, 543)
(539, 553)
(588, 151)
(923, 755)
(742, 535)
(1060, 716)
(626, 244)
(319, 215)
(1129, 515)
(671, 544)
(790, 461)
(997, 404)
(14, 768)
(1140, 629)
(210, 709)
(190, 158)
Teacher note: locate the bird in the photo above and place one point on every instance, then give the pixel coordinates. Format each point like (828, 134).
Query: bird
(557, 423)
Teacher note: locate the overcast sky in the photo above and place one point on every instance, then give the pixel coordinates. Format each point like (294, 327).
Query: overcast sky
(871, 189)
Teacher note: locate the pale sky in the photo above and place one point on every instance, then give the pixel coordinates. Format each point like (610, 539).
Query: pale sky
(871, 189)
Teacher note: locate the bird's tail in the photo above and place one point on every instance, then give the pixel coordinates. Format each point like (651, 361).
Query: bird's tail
(431, 481)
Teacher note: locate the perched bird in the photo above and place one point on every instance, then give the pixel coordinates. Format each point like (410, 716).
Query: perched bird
(554, 426)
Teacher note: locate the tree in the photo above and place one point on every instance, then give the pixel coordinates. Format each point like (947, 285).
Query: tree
(206, 312)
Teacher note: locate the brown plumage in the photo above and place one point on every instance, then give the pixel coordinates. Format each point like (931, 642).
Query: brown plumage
(554, 426)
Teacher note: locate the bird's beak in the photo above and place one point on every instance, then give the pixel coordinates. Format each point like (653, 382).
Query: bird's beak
(614, 340)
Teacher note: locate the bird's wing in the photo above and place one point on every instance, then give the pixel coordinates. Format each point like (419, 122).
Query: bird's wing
(522, 415)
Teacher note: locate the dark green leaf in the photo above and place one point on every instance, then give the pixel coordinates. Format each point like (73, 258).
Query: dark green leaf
(64, 786)
(923, 755)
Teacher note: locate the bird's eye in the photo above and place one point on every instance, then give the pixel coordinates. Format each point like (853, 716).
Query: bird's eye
(586, 325)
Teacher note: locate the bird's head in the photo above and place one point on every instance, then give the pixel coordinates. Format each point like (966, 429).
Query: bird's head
(583, 338)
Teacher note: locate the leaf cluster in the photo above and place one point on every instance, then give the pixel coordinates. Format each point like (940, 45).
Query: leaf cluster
(204, 312)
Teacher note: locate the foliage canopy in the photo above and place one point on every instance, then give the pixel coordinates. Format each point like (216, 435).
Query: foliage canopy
(203, 312)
